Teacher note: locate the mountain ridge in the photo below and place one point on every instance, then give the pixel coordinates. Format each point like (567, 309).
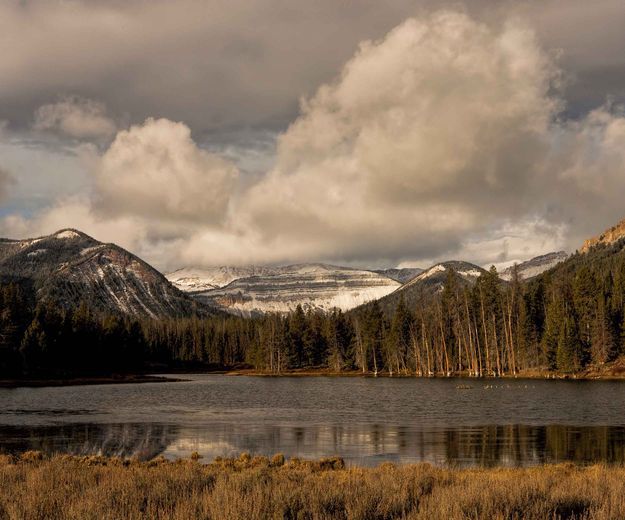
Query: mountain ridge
(69, 266)
(314, 286)
(607, 237)
(535, 266)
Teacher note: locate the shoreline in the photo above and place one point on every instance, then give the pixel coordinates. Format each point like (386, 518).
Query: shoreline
(87, 380)
(613, 372)
(531, 375)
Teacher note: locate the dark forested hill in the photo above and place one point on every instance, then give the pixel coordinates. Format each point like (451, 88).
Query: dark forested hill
(68, 267)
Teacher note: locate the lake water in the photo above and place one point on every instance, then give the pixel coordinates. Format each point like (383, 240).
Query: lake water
(365, 420)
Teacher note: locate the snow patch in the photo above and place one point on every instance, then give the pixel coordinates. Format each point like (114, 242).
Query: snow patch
(88, 250)
(472, 273)
(438, 268)
(67, 234)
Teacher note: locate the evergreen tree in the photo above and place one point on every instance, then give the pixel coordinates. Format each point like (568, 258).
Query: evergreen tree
(33, 347)
(569, 350)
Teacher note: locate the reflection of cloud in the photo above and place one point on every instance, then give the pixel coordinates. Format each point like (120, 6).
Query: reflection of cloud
(358, 444)
(143, 441)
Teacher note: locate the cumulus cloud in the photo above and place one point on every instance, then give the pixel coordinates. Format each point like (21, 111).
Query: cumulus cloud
(156, 170)
(427, 135)
(444, 138)
(151, 189)
(440, 136)
(75, 117)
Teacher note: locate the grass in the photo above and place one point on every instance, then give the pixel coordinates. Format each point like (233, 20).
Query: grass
(66, 487)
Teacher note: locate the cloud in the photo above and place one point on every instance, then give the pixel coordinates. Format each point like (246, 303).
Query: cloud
(6, 181)
(152, 188)
(432, 142)
(242, 63)
(75, 117)
(214, 65)
(586, 163)
(427, 135)
(444, 138)
(157, 171)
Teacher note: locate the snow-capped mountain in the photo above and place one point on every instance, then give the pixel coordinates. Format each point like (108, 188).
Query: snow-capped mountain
(535, 266)
(194, 279)
(438, 273)
(430, 282)
(313, 286)
(68, 267)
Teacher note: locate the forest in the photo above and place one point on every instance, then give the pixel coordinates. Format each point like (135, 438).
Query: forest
(564, 320)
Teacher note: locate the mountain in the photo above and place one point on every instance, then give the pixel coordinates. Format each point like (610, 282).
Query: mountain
(402, 275)
(313, 286)
(69, 266)
(608, 237)
(194, 279)
(430, 282)
(535, 266)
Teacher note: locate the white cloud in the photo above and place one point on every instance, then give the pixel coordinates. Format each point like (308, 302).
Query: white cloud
(75, 117)
(426, 136)
(156, 171)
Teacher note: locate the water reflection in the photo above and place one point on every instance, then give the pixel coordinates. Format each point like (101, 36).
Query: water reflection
(507, 445)
(144, 441)
(364, 420)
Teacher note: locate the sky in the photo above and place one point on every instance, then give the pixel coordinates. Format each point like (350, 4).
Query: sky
(365, 133)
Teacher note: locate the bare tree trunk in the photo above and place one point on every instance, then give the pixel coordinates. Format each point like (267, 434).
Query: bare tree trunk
(512, 341)
(444, 343)
(496, 345)
(487, 360)
(427, 348)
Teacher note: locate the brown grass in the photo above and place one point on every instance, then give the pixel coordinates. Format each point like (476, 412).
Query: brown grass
(38, 487)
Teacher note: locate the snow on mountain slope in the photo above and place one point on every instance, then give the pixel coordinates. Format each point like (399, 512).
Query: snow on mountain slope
(313, 286)
(535, 266)
(429, 283)
(69, 267)
(193, 279)
(437, 273)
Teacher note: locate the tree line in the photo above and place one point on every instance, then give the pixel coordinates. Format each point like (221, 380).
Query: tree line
(566, 319)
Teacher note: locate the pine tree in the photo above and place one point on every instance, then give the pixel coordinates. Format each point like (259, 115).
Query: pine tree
(553, 329)
(568, 357)
(603, 344)
(33, 347)
(585, 304)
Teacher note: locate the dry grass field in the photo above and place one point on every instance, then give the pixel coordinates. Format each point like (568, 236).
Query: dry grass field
(65, 487)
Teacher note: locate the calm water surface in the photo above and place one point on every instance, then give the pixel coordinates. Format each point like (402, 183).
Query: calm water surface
(364, 420)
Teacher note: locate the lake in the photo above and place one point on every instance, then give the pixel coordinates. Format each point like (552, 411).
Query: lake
(459, 422)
